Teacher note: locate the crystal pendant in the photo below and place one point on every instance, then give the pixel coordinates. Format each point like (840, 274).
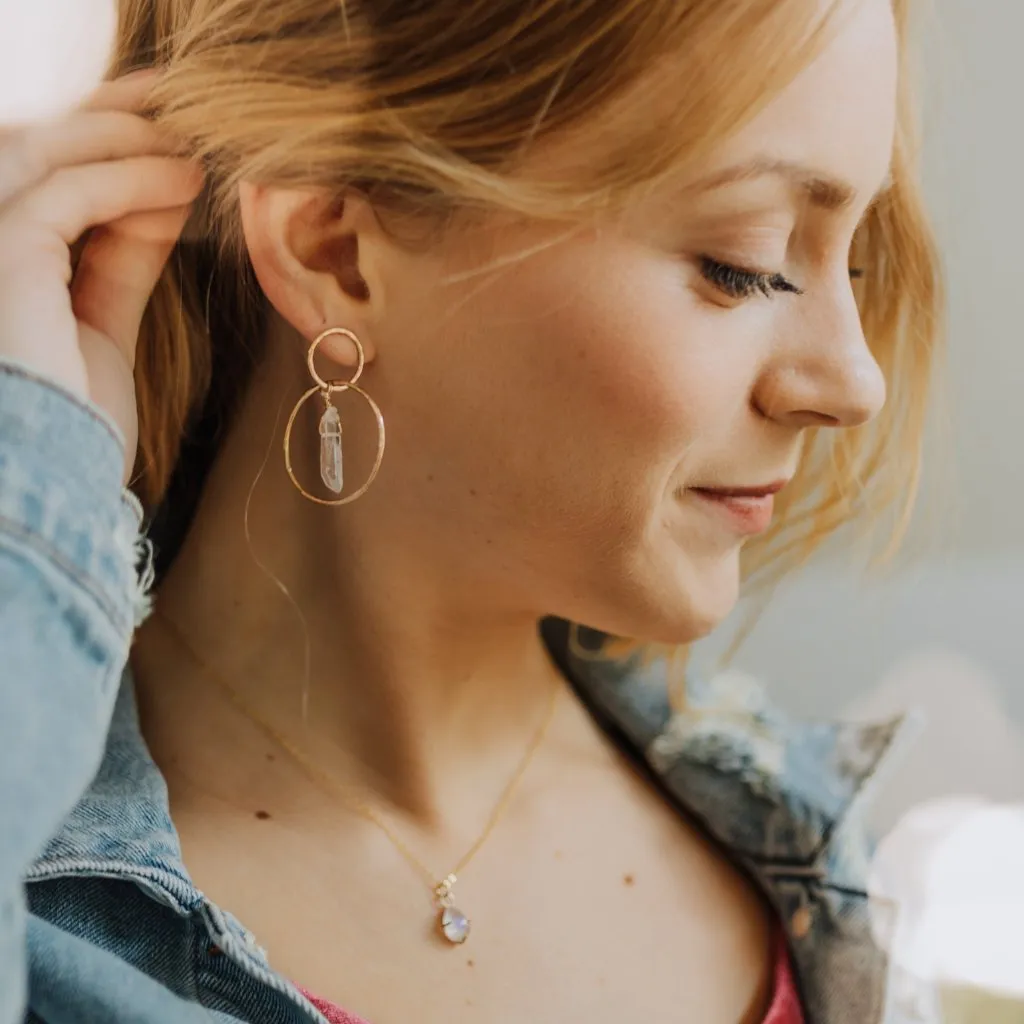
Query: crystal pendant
(454, 925)
(330, 450)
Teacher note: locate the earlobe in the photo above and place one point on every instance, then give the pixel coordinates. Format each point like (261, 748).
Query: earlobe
(336, 346)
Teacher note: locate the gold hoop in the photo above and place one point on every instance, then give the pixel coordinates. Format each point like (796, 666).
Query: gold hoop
(326, 388)
(325, 385)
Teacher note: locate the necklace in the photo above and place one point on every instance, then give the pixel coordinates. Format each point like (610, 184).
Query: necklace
(452, 924)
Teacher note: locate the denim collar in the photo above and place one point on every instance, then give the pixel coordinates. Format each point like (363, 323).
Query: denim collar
(766, 784)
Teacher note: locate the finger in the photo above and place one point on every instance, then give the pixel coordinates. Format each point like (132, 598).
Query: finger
(74, 199)
(118, 270)
(128, 92)
(34, 153)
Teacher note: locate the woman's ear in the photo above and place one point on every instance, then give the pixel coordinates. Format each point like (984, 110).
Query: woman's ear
(316, 261)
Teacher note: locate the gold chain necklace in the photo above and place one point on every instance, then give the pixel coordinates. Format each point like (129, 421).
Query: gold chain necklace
(451, 922)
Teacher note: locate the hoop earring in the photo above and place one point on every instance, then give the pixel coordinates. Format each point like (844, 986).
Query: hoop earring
(331, 458)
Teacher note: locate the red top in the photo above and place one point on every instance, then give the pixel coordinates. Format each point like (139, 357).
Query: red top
(785, 1008)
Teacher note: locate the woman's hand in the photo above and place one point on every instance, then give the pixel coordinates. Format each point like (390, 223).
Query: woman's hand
(107, 170)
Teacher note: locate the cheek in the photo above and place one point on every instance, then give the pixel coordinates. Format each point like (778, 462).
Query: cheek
(566, 398)
(632, 375)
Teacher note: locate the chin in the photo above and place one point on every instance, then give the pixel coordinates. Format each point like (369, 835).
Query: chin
(697, 615)
(711, 593)
(680, 606)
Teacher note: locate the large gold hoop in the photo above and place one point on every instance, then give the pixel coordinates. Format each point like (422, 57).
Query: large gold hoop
(332, 387)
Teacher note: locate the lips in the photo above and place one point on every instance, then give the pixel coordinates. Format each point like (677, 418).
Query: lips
(742, 492)
(747, 510)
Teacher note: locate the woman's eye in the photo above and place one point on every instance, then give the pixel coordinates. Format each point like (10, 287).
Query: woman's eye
(738, 283)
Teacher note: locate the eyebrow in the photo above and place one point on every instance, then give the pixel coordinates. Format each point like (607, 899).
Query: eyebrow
(821, 190)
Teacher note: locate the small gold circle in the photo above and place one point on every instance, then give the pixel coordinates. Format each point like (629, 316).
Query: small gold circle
(329, 387)
(322, 384)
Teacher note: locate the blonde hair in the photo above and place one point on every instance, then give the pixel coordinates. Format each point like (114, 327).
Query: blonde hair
(429, 107)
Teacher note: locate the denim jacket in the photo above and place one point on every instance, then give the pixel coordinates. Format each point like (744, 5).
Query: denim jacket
(99, 920)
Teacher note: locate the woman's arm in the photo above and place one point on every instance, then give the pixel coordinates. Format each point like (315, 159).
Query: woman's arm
(105, 174)
(68, 599)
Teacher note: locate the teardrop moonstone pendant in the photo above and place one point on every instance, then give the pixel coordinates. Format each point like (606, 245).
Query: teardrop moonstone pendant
(454, 925)
(330, 450)
(451, 922)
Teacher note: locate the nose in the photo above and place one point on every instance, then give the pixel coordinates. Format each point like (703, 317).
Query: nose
(824, 375)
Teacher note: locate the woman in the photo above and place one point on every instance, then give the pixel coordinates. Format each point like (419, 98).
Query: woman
(587, 268)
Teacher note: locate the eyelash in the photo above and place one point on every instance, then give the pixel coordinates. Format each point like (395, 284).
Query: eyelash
(744, 284)
(738, 283)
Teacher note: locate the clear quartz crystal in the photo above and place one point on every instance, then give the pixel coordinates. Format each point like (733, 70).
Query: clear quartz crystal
(330, 450)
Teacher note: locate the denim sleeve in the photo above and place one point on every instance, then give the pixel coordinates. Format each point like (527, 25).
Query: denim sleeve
(69, 596)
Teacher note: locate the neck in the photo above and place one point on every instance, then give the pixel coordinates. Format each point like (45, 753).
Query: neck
(346, 633)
